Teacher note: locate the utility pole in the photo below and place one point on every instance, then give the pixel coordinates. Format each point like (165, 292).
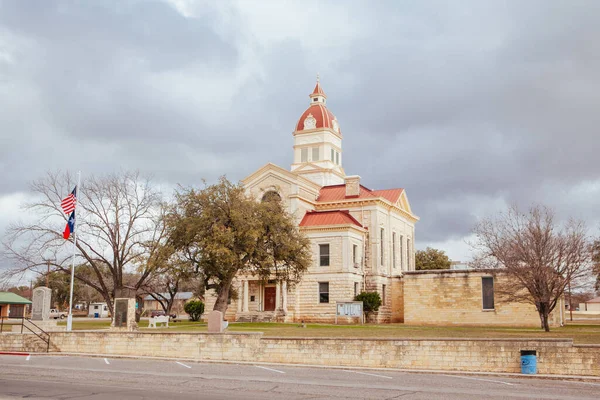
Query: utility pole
(570, 302)
(47, 273)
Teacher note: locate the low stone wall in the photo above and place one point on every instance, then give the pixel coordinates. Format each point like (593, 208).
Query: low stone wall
(18, 342)
(555, 356)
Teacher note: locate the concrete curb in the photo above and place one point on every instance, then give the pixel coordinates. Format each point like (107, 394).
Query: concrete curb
(420, 371)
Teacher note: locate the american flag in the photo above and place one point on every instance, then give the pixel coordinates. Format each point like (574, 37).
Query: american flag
(69, 202)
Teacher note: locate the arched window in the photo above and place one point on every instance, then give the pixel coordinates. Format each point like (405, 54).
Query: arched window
(271, 196)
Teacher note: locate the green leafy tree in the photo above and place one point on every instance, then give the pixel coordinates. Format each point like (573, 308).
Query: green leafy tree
(371, 302)
(195, 309)
(60, 285)
(223, 232)
(431, 259)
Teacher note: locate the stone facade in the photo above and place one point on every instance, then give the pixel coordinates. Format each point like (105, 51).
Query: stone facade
(455, 298)
(554, 356)
(370, 236)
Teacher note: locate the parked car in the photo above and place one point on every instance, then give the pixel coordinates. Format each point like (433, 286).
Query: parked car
(55, 314)
(159, 313)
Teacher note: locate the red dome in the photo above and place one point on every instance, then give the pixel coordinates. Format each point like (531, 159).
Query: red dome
(323, 118)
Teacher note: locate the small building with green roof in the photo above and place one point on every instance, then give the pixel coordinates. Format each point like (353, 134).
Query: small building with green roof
(12, 305)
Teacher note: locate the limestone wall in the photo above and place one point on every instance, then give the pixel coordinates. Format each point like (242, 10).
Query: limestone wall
(555, 356)
(18, 342)
(397, 299)
(455, 298)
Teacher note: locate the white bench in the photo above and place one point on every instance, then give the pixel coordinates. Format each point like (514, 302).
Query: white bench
(163, 319)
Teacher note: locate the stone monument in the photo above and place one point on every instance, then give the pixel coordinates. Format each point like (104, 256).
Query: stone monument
(124, 318)
(40, 309)
(215, 322)
(40, 313)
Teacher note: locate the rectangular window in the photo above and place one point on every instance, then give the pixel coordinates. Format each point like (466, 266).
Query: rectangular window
(323, 292)
(332, 155)
(383, 295)
(324, 255)
(337, 158)
(408, 265)
(355, 255)
(381, 247)
(394, 249)
(401, 250)
(487, 292)
(355, 289)
(315, 154)
(304, 155)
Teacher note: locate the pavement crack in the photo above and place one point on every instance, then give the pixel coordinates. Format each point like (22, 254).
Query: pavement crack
(400, 395)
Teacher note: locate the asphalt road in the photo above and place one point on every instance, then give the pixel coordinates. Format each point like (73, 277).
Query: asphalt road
(64, 377)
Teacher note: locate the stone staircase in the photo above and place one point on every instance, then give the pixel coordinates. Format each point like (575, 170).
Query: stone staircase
(263, 316)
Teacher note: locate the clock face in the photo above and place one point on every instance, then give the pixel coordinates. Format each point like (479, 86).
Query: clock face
(310, 122)
(336, 127)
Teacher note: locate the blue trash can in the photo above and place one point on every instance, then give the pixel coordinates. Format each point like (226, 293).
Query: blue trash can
(96, 315)
(528, 362)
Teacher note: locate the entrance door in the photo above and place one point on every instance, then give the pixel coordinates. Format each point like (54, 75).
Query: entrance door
(269, 299)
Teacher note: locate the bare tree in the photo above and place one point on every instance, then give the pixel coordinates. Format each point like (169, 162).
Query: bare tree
(119, 228)
(174, 274)
(595, 251)
(540, 256)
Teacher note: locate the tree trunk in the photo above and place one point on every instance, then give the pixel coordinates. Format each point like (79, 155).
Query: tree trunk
(545, 320)
(544, 316)
(223, 294)
(222, 298)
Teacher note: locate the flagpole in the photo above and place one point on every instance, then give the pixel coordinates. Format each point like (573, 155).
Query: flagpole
(77, 196)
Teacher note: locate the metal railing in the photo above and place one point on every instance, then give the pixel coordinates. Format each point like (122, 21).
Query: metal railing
(42, 334)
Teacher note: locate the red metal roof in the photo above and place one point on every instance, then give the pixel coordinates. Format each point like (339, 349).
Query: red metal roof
(324, 218)
(324, 118)
(338, 193)
(318, 90)
(391, 194)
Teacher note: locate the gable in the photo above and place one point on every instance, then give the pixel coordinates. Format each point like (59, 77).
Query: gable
(274, 178)
(403, 203)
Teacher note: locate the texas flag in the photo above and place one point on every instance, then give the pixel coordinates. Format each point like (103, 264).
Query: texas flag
(70, 228)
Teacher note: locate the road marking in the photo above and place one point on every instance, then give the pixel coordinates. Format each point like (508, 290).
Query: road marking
(28, 357)
(106, 361)
(479, 379)
(187, 366)
(364, 373)
(270, 369)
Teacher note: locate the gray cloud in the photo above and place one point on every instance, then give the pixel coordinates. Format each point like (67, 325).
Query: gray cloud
(468, 106)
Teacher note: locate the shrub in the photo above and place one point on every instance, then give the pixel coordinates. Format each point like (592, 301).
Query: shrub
(195, 309)
(371, 302)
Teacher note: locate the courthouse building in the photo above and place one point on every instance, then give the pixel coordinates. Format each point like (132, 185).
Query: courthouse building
(362, 239)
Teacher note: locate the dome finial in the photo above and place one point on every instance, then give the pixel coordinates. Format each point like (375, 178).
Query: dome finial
(317, 77)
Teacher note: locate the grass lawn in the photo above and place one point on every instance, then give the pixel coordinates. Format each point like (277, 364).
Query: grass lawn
(580, 333)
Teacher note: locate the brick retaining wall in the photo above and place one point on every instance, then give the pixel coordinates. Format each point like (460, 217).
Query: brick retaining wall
(555, 356)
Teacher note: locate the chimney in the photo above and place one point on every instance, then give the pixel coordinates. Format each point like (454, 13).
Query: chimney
(352, 183)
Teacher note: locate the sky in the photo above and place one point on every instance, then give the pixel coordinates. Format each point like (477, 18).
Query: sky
(470, 106)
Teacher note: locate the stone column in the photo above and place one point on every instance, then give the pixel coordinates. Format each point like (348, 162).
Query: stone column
(284, 292)
(240, 297)
(277, 295)
(245, 296)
